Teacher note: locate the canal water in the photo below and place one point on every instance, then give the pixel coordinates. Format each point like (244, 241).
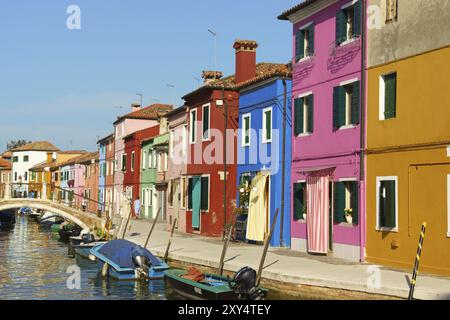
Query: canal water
(35, 265)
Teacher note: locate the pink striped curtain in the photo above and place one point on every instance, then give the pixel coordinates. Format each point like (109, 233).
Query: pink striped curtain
(317, 213)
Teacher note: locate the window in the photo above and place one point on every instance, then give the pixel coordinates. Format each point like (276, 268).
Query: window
(132, 160)
(26, 158)
(25, 176)
(171, 143)
(346, 105)
(204, 199)
(193, 122)
(299, 200)
(206, 120)
(345, 196)
(189, 191)
(267, 125)
(144, 159)
(154, 156)
(185, 130)
(304, 42)
(15, 176)
(388, 96)
(387, 203)
(15, 159)
(246, 125)
(348, 22)
(391, 10)
(304, 115)
(183, 192)
(166, 162)
(124, 162)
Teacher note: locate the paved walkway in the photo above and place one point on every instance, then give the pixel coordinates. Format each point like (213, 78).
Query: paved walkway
(287, 266)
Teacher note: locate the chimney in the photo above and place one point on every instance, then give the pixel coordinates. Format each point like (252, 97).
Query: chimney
(209, 76)
(245, 59)
(135, 107)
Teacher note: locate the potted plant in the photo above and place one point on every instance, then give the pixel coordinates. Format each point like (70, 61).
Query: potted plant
(349, 215)
(304, 210)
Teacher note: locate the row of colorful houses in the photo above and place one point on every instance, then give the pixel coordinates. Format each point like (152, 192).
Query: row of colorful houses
(349, 142)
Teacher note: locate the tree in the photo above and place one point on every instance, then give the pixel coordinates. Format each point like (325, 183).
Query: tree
(16, 144)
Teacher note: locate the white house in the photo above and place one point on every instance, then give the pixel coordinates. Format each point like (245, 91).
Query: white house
(24, 158)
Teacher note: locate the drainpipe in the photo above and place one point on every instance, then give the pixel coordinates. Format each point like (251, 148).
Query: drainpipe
(362, 132)
(283, 162)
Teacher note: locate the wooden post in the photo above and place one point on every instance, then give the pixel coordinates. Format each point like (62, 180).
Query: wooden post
(266, 247)
(128, 221)
(166, 256)
(151, 229)
(416, 265)
(226, 241)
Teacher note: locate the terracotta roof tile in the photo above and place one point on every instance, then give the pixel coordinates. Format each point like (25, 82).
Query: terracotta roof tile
(41, 166)
(285, 15)
(37, 146)
(5, 164)
(6, 154)
(152, 112)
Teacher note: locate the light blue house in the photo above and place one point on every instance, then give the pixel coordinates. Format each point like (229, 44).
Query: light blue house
(264, 149)
(103, 170)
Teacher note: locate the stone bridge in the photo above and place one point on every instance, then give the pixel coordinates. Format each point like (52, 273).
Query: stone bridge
(85, 220)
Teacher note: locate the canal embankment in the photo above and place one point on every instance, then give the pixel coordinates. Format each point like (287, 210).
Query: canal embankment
(295, 275)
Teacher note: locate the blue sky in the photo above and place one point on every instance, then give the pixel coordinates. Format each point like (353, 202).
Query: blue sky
(67, 86)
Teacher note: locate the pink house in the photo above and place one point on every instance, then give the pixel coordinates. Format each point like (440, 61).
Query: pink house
(327, 180)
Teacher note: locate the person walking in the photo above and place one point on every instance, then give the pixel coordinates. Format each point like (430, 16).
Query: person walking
(137, 208)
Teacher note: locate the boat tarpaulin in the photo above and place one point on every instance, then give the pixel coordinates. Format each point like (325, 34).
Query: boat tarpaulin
(120, 252)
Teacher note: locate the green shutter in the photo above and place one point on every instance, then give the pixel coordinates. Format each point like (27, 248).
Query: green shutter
(338, 107)
(356, 103)
(268, 116)
(387, 204)
(311, 40)
(298, 116)
(339, 202)
(246, 130)
(299, 45)
(354, 201)
(190, 185)
(311, 113)
(298, 201)
(340, 26)
(390, 82)
(204, 193)
(357, 10)
(205, 121)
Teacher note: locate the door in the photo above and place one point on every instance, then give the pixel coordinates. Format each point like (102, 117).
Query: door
(196, 197)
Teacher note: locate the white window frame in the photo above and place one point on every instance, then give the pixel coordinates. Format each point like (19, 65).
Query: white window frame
(448, 205)
(264, 140)
(171, 143)
(243, 143)
(377, 190)
(144, 158)
(166, 162)
(208, 138)
(382, 95)
(193, 126)
(133, 159)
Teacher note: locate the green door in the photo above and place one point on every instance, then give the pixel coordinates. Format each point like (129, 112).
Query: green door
(196, 197)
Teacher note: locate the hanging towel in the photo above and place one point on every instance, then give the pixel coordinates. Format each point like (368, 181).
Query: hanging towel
(318, 213)
(256, 221)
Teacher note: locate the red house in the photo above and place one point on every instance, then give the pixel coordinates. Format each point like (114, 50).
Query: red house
(206, 107)
(132, 159)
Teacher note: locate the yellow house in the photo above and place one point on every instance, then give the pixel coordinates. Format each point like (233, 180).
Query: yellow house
(408, 135)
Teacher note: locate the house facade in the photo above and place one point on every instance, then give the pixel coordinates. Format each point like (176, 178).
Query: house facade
(5, 177)
(177, 168)
(262, 103)
(326, 176)
(408, 135)
(90, 193)
(138, 119)
(106, 167)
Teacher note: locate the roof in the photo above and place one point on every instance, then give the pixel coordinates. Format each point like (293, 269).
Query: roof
(107, 138)
(264, 71)
(285, 15)
(81, 159)
(176, 111)
(6, 154)
(72, 152)
(41, 166)
(5, 164)
(37, 146)
(152, 112)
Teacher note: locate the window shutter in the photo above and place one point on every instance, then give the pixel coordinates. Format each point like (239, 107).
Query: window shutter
(298, 116)
(204, 193)
(299, 45)
(268, 116)
(340, 26)
(311, 113)
(190, 182)
(357, 18)
(356, 103)
(311, 40)
(205, 121)
(390, 82)
(387, 205)
(338, 107)
(298, 201)
(339, 202)
(354, 201)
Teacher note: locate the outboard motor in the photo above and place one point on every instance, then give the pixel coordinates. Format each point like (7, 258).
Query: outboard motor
(87, 238)
(244, 284)
(141, 262)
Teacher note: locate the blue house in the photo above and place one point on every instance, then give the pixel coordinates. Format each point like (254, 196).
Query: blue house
(102, 145)
(264, 144)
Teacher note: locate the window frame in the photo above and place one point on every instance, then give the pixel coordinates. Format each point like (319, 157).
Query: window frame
(208, 131)
(264, 129)
(382, 95)
(388, 17)
(209, 192)
(379, 179)
(133, 159)
(193, 126)
(243, 143)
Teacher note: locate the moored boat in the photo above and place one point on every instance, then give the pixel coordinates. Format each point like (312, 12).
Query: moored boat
(127, 261)
(85, 244)
(68, 230)
(7, 218)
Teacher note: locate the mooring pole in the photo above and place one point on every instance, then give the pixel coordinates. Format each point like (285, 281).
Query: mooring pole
(226, 241)
(166, 255)
(128, 221)
(153, 226)
(416, 265)
(266, 247)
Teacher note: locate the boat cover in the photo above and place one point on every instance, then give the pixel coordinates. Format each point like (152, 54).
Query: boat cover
(120, 252)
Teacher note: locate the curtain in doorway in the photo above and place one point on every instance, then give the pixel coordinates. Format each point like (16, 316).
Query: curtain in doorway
(257, 211)
(317, 213)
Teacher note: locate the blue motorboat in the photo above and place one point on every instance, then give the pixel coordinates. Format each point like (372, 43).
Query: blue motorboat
(124, 260)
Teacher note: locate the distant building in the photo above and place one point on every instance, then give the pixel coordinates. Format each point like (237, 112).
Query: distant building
(5, 176)
(106, 173)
